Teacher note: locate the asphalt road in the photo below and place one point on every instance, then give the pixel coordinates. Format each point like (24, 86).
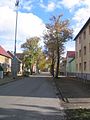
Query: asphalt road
(32, 98)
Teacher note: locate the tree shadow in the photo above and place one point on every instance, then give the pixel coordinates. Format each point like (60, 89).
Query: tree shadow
(54, 109)
(21, 114)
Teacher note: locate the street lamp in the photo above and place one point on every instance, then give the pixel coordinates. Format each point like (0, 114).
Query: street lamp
(14, 62)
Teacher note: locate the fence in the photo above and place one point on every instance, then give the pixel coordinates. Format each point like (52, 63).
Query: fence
(83, 76)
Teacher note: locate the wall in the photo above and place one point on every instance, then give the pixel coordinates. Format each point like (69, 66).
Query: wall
(6, 63)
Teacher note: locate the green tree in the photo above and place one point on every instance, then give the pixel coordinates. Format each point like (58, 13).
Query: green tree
(32, 52)
(44, 63)
(50, 50)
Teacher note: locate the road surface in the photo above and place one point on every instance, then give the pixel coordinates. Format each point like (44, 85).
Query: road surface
(32, 98)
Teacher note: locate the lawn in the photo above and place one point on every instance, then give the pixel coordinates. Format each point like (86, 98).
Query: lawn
(77, 114)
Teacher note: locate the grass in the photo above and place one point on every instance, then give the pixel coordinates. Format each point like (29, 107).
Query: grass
(77, 114)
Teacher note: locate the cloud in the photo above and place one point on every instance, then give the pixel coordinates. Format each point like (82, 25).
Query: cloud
(26, 5)
(23, 4)
(9, 3)
(71, 4)
(49, 7)
(29, 25)
(80, 17)
(80, 10)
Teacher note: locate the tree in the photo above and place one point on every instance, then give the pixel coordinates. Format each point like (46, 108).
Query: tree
(31, 51)
(58, 32)
(50, 49)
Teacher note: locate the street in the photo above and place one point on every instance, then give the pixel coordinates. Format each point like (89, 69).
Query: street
(31, 98)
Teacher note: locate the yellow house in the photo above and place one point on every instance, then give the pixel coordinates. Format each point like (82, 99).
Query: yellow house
(5, 60)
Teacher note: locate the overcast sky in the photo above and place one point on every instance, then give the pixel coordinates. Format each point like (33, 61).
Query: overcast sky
(32, 16)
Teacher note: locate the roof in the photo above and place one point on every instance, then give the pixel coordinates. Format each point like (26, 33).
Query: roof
(12, 55)
(71, 54)
(72, 60)
(20, 55)
(88, 21)
(4, 53)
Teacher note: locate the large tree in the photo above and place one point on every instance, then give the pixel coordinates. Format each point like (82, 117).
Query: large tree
(32, 52)
(58, 32)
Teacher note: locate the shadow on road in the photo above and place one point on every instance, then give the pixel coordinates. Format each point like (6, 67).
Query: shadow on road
(21, 114)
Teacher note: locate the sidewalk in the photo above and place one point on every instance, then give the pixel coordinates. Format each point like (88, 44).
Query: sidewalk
(76, 92)
(75, 96)
(9, 79)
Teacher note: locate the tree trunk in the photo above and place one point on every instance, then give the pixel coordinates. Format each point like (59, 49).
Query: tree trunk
(52, 66)
(31, 69)
(37, 69)
(58, 58)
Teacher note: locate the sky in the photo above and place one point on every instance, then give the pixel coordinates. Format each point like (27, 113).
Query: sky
(34, 14)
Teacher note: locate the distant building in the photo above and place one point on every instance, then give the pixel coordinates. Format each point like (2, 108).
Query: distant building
(17, 64)
(20, 56)
(70, 62)
(63, 66)
(72, 65)
(82, 40)
(5, 60)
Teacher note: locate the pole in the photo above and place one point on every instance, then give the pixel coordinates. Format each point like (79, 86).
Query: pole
(15, 33)
(17, 3)
(14, 63)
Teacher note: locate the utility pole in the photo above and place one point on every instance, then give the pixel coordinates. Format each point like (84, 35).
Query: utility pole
(14, 63)
(16, 4)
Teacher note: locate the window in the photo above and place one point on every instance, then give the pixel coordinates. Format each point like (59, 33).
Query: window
(89, 65)
(77, 67)
(89, 30)
(79, 53)
(84, 34)
(76, 54)
(80, 66)
(89, 47)
(84, 50)
(76, 42)
(85, 66)
(79, 39)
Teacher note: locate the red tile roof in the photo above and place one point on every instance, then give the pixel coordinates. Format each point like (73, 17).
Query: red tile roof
(4, 53)
(71, 54)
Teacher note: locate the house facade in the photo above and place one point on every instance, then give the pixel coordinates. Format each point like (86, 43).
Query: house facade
(68, 66)
(70, 62)
(5, 60)
(63, 67)
(83, 49)
(72, 66)
(16, 64)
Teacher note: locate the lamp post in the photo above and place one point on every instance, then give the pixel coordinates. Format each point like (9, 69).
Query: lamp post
(15, 64)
